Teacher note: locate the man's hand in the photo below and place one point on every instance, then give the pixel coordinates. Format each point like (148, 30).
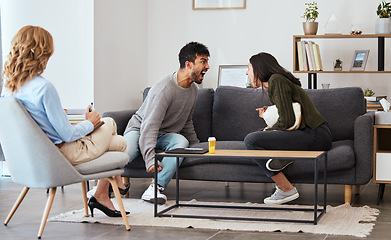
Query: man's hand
(92, 116)
(261, 111)
(152, 168)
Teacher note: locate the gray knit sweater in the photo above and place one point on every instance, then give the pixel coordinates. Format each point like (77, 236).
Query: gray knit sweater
(168, 108)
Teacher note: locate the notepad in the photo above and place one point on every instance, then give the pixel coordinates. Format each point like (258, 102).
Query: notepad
(97, 126)
(188, 150)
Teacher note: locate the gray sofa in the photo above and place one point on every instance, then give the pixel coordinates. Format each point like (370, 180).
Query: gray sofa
(228, 113)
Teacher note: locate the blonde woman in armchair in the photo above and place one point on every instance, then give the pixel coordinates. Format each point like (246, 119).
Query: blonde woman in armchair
(31, 49)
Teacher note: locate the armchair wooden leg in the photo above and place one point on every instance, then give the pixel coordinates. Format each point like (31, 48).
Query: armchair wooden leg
(126, 180)
(119, 201)
(357, 189)
(16, 205)
(48, 206)
(84, 192)
(348, 193)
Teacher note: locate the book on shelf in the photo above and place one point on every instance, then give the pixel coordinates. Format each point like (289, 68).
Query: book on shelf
(310, 59)
(318, 60)
(374, 99)
(308, 56)
(300, 60)
(311, 44)
(75, 111)
(305, 60)
(75, 115)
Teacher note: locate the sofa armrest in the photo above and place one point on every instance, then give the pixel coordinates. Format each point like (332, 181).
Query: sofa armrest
(121, 118)
(363, 147)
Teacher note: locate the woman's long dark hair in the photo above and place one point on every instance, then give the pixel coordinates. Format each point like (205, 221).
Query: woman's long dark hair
(265, 65)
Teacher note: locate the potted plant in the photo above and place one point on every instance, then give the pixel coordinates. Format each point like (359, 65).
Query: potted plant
(311, 13)
(368, 93)
(383, 23)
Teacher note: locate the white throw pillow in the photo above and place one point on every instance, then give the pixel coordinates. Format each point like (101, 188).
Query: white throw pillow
(271, 115)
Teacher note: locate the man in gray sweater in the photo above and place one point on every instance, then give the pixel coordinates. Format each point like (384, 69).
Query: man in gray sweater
(164, 120)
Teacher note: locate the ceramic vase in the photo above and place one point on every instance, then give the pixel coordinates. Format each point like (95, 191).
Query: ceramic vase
(383, 26)
(310, 28)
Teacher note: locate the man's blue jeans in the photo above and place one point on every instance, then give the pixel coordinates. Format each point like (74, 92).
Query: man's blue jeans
(165, 142)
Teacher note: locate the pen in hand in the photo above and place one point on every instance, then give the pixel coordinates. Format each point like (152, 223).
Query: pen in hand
(91, 107)
(93, 116)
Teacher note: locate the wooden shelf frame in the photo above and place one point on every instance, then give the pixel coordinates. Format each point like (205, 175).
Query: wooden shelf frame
(380, 145)
(312, 75)
(343, 36)
(342, 71)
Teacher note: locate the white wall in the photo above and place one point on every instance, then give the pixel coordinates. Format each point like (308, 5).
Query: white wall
(120, 61)
(71, 24)
(100, 48)
(109, 51)
(233, 36)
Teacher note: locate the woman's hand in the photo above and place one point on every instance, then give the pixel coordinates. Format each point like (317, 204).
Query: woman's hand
(261, 111)
(92, 116)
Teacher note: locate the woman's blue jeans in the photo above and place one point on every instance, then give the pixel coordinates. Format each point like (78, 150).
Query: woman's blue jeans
(165, 142)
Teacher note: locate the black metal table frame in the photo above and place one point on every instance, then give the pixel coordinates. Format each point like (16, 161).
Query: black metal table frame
(163, 213)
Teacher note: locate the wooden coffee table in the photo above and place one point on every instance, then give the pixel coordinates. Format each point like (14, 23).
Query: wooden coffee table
(249, 154)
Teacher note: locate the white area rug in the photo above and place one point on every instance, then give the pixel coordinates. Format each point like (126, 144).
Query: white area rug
(340, 220)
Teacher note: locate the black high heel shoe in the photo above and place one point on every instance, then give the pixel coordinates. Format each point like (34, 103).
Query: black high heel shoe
(121, 191)
(93, 203)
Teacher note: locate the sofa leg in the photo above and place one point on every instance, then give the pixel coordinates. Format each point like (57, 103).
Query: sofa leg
(348, 193)
(357, 189)
(126, 180)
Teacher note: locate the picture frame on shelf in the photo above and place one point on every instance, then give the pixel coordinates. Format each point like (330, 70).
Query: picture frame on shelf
(233, 75)
(359, 61)
(218, 4)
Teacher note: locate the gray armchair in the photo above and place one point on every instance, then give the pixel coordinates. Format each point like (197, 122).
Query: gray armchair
(35, 162)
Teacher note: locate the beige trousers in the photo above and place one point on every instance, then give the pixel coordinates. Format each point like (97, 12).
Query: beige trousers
(94, 145)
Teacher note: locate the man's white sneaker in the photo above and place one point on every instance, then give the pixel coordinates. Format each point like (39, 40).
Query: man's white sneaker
(280, 197)
(149, 195)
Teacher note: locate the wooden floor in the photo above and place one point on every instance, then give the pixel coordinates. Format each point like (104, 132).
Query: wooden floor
(26, 221)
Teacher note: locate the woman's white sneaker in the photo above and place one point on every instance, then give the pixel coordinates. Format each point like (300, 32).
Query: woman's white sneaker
(277, 165)
(280, 197)
(149, 195)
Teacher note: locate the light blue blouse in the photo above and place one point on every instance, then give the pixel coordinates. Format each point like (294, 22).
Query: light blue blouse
(41, 100)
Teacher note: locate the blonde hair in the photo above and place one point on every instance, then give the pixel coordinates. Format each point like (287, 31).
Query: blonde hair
(31, 49)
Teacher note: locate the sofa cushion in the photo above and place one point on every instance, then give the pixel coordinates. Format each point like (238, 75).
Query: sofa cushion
(202, 115)
(341, 107)
(340, 157)
(234, 114)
